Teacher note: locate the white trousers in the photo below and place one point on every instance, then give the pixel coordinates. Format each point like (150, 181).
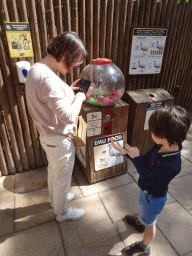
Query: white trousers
(60, 153)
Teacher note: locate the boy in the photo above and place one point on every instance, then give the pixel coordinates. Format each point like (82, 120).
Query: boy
(156, 168)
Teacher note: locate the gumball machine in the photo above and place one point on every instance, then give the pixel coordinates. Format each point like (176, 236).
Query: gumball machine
(103, 116)
(107, 83)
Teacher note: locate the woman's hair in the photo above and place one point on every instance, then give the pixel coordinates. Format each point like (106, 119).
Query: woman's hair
(171, 123)
(68, 44)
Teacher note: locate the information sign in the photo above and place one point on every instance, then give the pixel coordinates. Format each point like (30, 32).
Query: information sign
(147, 50)
(19, 39)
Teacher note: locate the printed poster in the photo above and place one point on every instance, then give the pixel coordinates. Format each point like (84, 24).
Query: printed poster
(105, 155)
(19, 39)
(147, 50)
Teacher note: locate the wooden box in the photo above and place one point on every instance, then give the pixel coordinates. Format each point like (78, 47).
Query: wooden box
(98, 159)
(141, 105)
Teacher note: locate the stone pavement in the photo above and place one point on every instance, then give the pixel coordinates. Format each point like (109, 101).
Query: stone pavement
(28, 226)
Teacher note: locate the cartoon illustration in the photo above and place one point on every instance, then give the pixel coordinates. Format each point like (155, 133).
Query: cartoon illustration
(157, 66)
(19, 45)
(142, 66)
(144, 49)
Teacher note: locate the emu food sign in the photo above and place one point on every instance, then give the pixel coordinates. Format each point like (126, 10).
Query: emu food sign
(105, 155)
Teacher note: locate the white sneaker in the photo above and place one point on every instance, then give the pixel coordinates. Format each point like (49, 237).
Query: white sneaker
(70, 197)
(71, 214)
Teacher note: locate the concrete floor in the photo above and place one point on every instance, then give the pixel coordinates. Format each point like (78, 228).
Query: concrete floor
(28, 226)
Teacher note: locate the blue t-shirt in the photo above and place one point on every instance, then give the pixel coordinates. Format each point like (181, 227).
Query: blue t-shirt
(156, 170)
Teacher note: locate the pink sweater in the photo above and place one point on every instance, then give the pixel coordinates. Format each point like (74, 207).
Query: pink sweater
(49, 101)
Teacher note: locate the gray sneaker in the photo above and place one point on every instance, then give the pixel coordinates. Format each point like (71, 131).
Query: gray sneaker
(71, 214)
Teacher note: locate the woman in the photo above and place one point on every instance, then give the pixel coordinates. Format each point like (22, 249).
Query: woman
(54, 108)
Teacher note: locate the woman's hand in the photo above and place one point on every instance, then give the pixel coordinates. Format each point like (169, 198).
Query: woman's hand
(132, 151)
(118, 147)
(74, 86)
(80, 95)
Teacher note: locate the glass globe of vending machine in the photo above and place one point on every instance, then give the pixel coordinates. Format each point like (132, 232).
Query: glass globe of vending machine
(107, 83)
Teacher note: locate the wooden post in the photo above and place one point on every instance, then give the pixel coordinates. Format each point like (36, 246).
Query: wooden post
(115, 31)
(3, 166)
(6, 146)
(82, 28)
(89, 30)
(12, 108)
(67, 27)
(50, 19)
(42, 26)
(58, 16)
(109, 27)
(167, 52)
(102, 36)
(74, 25)
(127, 45)
(121, 30)
(96, 28)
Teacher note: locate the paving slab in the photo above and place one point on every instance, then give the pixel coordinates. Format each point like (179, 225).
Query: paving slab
(31, 180)
(121, 201)
(159, 246)
(181, 189)
(130, 167)
(189, 134)
(175, 224)
(88, 189)
(6, 204)
(32, 208)
(187, 150)
(94, 233)
(186, 167)
(44, 240)
(170, 198)
(188, 254)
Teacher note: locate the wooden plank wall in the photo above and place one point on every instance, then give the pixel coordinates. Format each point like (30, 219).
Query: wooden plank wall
(105, 26)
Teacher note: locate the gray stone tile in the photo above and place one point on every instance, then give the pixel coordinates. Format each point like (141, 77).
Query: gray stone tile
(38, 241)
(176, 225)
(88, 189)
(32, 209)
(181, 189)
(187, 254)
(130, 167)
(31, 180)
(94, 233)
(187, 150)
(186, 167)
(6, 220)
(75, 189)
(170, 198)
(189, 134)
(121, 201)
(159, 246)
(6, 204)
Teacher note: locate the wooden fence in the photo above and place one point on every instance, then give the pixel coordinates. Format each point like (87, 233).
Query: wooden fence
(105, 26)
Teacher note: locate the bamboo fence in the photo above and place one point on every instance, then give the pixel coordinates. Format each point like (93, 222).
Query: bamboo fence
(105, 26)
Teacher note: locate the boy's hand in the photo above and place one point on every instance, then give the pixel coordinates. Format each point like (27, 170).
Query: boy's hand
(132, 151)
(118, 147)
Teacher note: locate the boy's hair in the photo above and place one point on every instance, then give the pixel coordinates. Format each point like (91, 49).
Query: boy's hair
(171, 123)
(68, 44)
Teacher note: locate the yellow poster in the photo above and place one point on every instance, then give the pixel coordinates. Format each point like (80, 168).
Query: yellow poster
(19, 39)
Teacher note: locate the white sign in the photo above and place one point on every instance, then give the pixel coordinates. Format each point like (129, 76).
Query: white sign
(105, 155)
(147, 50)
(94, 123)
